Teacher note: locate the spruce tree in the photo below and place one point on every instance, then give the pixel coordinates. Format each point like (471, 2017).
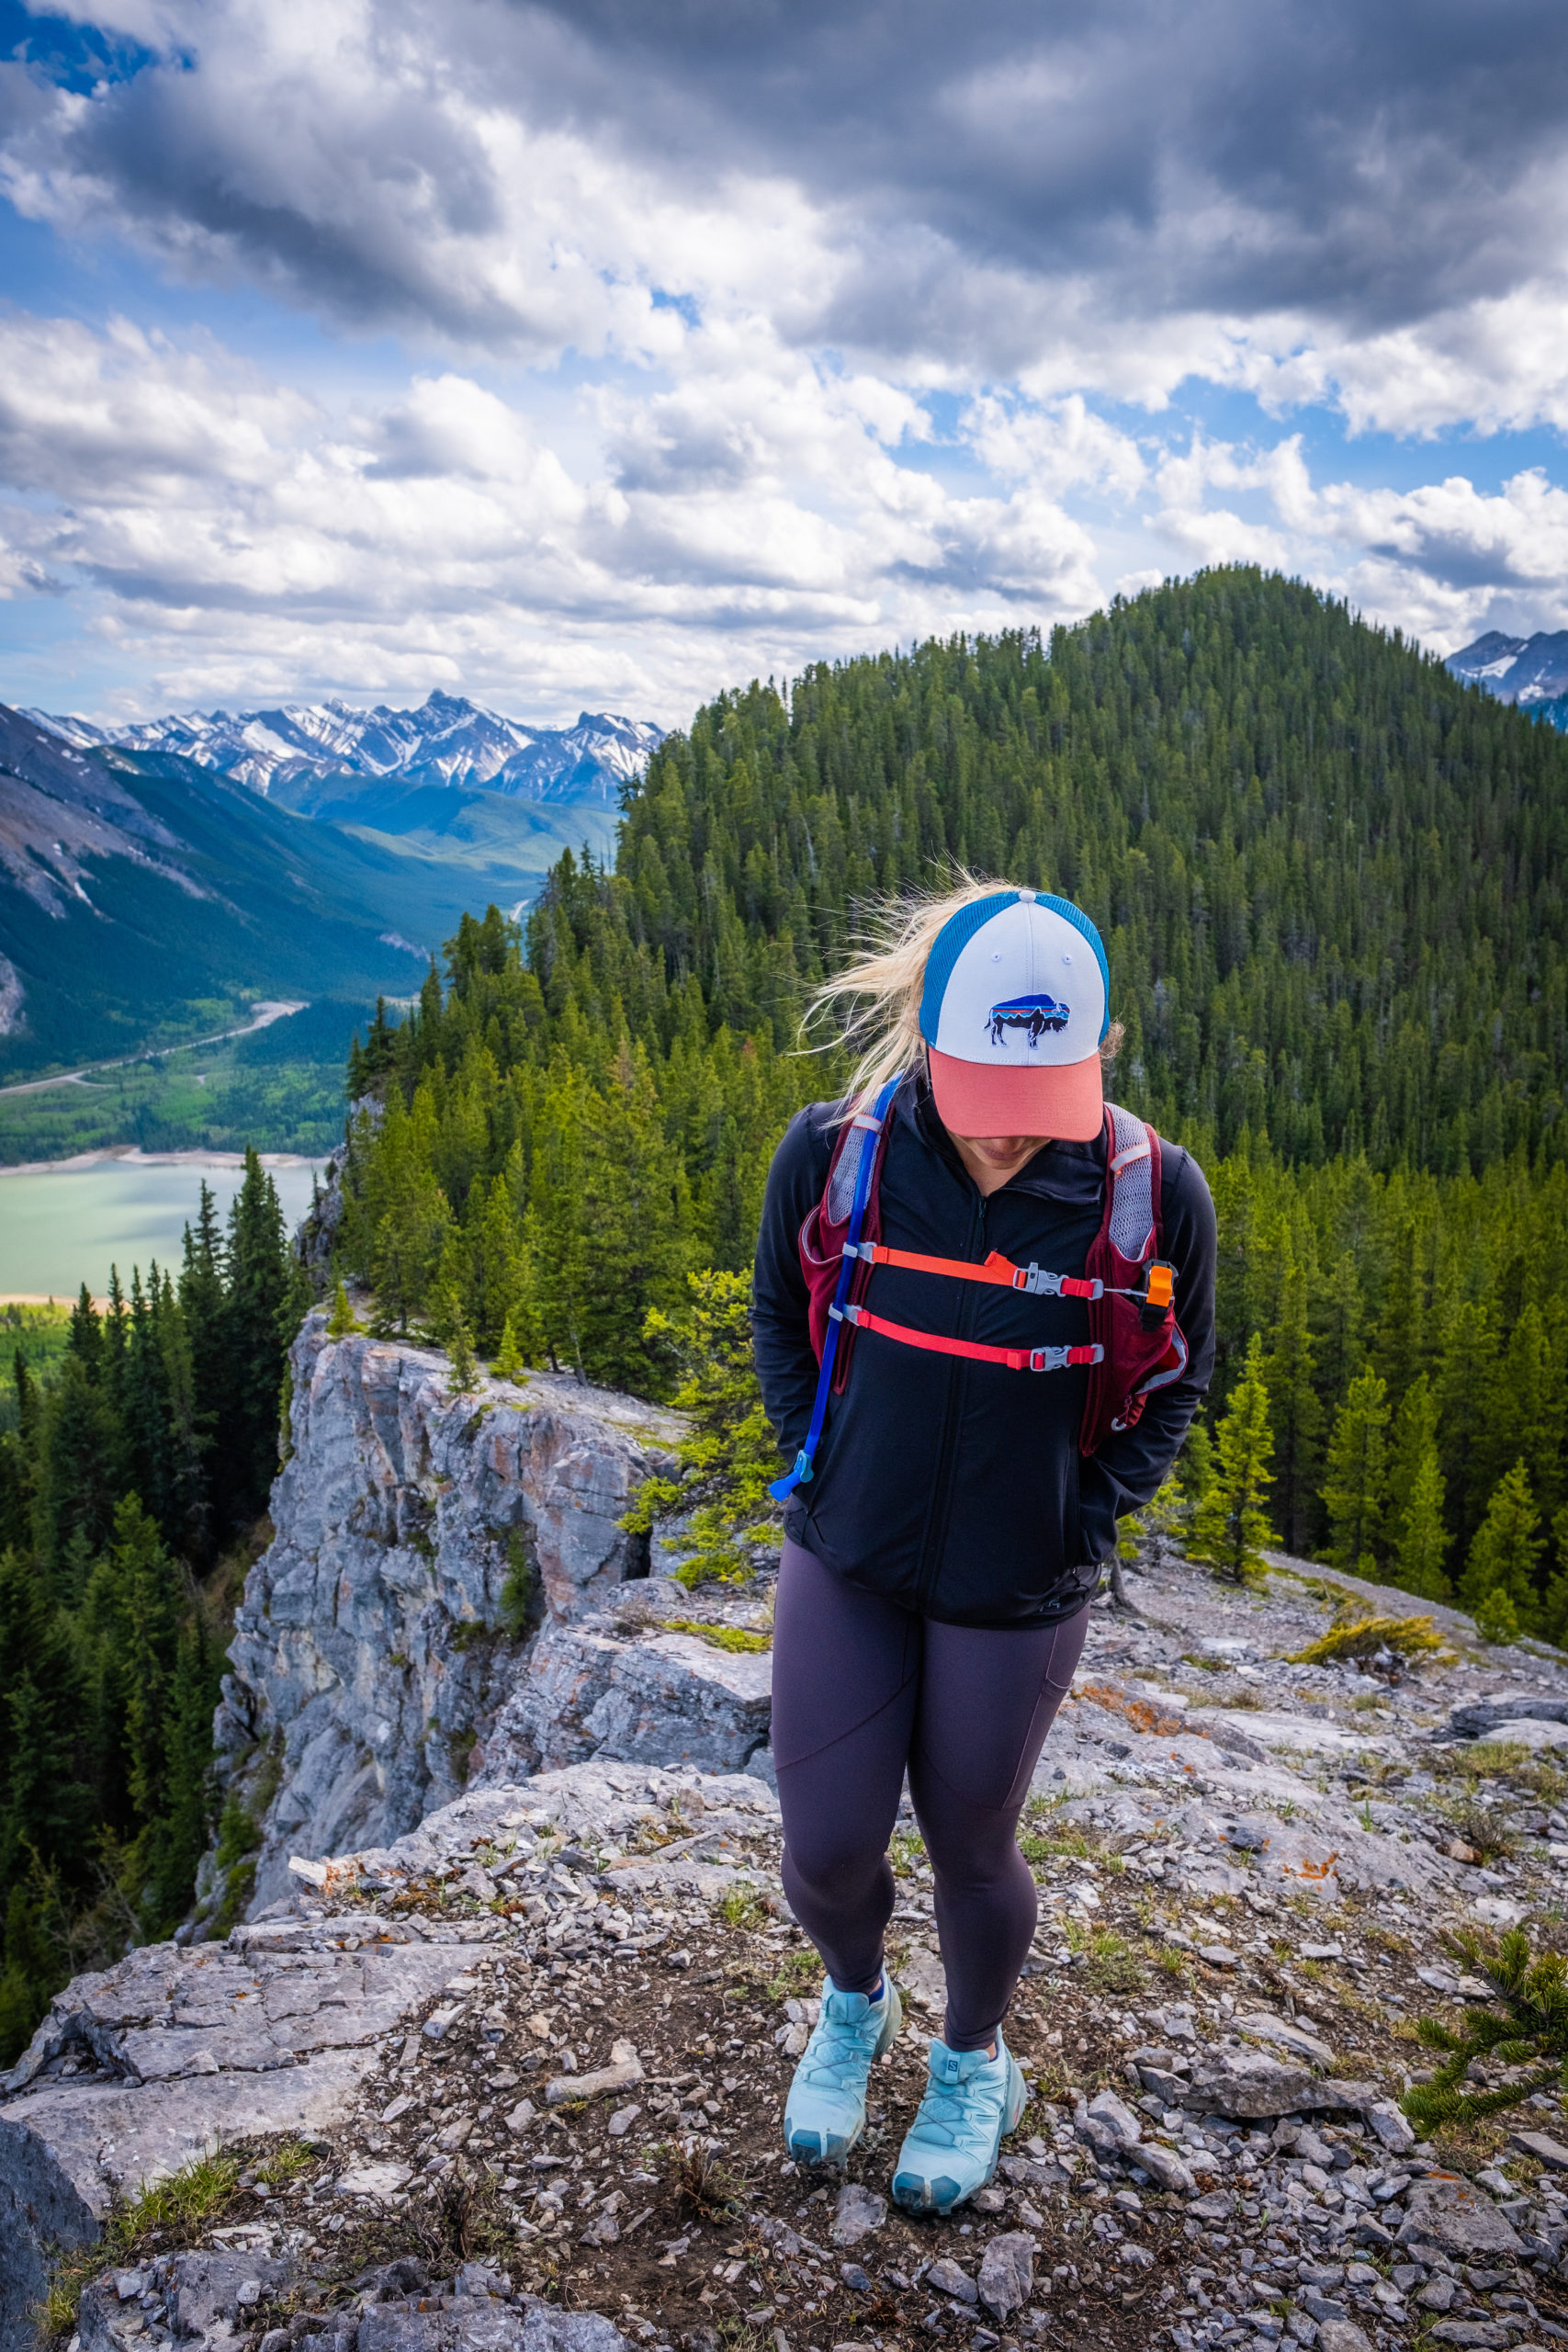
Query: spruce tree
(259, 1292)
(1355, 1476)
(341, 1322)
(86, 1340)
(202, 1305)
(81, 1466)
(1295, 1415)
(1421, 1539)
(463, 1376)
(1507, 1546)
(1230, 1525)
(507, 1362)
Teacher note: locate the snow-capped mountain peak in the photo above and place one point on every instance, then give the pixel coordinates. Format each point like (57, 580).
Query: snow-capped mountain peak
(1516, 669)
(448, 741)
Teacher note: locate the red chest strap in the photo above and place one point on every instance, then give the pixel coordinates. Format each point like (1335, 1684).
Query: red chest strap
(1012, 1358)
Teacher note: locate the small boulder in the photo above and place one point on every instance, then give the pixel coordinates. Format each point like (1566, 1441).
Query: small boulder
(859, 2211)
(1166, 2168)
(1342, 2335)
(1392, 2130)
(1006, 2273)
(1106, 2109)
(948, 2279)
(1246, 2084)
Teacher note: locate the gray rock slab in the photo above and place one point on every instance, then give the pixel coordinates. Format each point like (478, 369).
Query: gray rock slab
(589, 1690)
(1457, 2217)
(198, 2049)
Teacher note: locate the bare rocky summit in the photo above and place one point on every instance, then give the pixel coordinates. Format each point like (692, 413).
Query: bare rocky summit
(512, 2078)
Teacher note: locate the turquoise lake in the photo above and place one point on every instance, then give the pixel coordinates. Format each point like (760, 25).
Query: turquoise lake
(62, 1226)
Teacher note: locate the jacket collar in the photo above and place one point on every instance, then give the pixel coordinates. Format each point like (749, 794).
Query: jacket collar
(1070, 1173)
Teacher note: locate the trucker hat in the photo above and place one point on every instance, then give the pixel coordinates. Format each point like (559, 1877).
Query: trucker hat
(1016, 1002)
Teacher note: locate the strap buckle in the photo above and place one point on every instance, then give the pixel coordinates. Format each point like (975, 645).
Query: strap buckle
(1037, 1282)
(1048, 1359)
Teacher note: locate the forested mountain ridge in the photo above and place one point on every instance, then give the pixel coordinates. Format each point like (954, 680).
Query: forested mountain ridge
(1328, 876)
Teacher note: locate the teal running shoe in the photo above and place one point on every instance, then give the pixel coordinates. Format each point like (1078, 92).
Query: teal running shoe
(825, 2112)
(972, 2102)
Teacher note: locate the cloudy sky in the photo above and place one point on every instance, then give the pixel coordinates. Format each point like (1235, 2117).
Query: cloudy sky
(604, 353)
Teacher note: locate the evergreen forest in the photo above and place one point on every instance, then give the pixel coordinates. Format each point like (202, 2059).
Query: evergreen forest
(131, 1482)
(1330, 879)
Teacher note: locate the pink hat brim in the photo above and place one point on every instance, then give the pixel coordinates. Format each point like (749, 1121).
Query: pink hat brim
(1066, 1104)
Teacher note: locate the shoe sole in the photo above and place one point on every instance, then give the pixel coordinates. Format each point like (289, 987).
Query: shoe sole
(814, 2148)
(912, 2193)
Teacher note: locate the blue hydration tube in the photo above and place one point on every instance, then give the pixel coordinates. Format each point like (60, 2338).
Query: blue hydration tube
(799, 1475)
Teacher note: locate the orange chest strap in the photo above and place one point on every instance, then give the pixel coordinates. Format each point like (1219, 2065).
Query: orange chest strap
(996, 1269)
(1003, 1274)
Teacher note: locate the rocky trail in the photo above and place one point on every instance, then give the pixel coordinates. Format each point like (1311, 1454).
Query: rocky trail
(514, 2078)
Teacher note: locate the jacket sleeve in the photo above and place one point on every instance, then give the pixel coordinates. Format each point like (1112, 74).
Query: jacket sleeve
(781, 1333)
(1128, 1468)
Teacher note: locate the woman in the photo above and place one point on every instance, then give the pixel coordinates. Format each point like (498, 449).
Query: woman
(944, 1539)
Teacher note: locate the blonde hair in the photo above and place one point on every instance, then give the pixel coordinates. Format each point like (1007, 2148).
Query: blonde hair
(874, 1001)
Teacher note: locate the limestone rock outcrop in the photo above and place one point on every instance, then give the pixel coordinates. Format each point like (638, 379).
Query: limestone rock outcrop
(369, 1651)
(631, 1690)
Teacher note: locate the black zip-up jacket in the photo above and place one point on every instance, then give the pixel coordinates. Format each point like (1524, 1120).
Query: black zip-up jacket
(951, 1487)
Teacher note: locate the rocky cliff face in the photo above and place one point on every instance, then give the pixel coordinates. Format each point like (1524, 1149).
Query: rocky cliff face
(372, 1646)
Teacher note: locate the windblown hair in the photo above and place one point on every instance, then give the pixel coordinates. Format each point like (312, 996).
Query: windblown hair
(874, 1002)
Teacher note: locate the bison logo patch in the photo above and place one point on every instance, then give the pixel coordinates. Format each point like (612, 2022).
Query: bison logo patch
(1034, 1014)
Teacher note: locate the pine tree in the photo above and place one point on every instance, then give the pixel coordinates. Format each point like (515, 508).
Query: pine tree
(463, 1376)
(81, 1466)
(1422, 1539)
(1507, 1545)
(1355, 1476)
(86, 1340)
(148, 1598)
(202, 1305)
(1412, 1436)
(259, 1292)
(729, 1449)
(43, 1806)
(1295, 1415)
(180, 1834)
(507, 1362)
(341, 1322)
(1230, 1525)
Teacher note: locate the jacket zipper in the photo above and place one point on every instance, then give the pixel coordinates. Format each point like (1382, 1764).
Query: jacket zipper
(942, 1502)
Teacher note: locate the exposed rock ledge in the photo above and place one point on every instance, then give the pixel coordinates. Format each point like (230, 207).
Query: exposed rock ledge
(368, 1654)
(173, 2053)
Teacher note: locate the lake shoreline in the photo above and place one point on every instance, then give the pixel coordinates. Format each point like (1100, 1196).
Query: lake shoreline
(129, 1155)
(71, 1221)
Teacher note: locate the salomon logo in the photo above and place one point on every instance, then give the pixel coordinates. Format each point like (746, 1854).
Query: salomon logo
(1035, 1013)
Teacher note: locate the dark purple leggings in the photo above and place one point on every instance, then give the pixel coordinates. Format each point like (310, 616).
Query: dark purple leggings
(862, 1691)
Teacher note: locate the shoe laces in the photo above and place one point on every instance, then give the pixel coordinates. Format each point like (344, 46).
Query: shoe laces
(839, 2044)
(956, 2109)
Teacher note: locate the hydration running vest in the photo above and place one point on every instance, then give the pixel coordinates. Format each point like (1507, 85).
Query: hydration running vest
(1135, 1343)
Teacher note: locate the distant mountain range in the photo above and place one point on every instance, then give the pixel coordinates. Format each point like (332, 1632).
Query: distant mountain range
(145, 894)
(285, 753)
(1530, 671)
